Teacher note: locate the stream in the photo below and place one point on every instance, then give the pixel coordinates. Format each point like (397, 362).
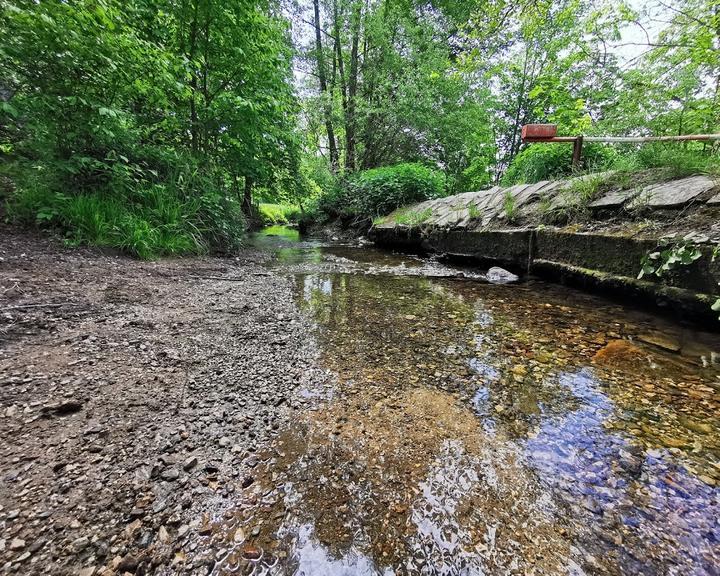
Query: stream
(467, 428)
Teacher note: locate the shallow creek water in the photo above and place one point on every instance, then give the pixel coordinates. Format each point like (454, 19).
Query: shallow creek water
(467, 429)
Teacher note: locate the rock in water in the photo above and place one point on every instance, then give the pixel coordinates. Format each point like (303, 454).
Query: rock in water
(497, 275)
(620, 352)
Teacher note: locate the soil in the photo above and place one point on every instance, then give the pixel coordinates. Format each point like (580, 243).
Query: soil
(134, 397)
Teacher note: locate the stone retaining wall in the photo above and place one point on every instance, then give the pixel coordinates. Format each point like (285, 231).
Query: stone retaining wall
(472, 226)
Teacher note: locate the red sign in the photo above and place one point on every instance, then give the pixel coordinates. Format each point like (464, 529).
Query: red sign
(539, 131)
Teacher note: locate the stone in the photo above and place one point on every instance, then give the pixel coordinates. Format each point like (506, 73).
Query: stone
(170, 474)
(63, 408)
(614, 199)
(675, 193)
(714, 200)
(137, 513)
(252, 552)
(619, 352)
(661, 340)
(89, 571)
(497, 275)
(247, 481)
(190, 463)
(695, 426)
(17, 544)
(24, 556)
(80, 543)
(163, 535)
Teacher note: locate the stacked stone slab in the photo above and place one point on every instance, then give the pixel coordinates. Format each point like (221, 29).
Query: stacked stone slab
(493, 207)
(475, 226)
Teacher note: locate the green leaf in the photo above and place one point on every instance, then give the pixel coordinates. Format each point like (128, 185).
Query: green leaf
(9, 109)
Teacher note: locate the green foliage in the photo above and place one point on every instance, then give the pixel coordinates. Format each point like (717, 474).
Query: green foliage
(679, 160)
(553, 161)
(673, 251)
(272, 214)
(510, 207)
(135, 124)
(413, 218)
(379, 191)
(148, 223)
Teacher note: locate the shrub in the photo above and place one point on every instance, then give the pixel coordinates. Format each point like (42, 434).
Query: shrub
(553, 161)
(379, 191)
(271, 214)
(148, 221)
(680, 160)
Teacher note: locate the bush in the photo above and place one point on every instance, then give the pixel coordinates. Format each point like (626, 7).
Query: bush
(554, 161)
(271, 214)
(149, 221)
(379, 191)
(680, 159)
(551, 161)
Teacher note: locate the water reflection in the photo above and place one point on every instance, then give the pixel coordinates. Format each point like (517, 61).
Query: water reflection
(648, 505)
(481, 429)
(311, 558)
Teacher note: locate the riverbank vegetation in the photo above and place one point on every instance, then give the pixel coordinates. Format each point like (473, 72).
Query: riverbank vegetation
(163, 127)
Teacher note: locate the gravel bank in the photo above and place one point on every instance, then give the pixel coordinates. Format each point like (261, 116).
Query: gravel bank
(134, 397)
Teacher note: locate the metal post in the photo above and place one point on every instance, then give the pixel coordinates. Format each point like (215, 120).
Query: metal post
(577, 154)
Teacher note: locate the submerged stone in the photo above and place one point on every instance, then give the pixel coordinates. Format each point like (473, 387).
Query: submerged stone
(619, 352)
(497, 275)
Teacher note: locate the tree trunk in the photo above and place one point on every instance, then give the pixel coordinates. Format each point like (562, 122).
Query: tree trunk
(341, 70)
(193, 79)
(326, 96)
(247, 197)
(352, 91)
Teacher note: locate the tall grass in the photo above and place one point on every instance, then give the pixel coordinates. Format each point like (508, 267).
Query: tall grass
(150, 221)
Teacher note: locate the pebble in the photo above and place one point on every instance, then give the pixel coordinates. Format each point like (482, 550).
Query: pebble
(170, 474)
(24, 556)
(80, 544)
(17, 544)
(252, 552)
(163, 535)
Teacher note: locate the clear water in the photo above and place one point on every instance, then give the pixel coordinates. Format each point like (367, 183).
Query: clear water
(478, 429)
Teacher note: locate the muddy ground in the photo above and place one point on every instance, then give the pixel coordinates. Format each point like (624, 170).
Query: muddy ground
(134, 397)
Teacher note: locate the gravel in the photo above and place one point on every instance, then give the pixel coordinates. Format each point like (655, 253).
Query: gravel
(134, 399)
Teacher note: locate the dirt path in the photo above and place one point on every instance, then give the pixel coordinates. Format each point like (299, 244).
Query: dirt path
(133, 399)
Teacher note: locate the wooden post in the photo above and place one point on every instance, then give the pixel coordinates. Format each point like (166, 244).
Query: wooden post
(577, 154)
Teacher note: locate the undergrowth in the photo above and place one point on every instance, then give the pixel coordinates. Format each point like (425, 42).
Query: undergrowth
(148, 221)
(272, 214)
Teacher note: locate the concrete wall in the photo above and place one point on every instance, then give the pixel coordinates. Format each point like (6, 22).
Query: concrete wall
(467, 226)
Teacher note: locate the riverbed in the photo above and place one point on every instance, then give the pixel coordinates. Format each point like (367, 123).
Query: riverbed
(472, 428)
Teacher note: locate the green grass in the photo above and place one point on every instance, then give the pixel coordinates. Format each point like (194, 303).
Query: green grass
(510, 207)
(473, 212)
(147, 223)
(413, 218)
(271, 214)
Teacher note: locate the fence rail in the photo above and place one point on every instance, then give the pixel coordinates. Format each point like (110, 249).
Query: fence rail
(539, 133)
